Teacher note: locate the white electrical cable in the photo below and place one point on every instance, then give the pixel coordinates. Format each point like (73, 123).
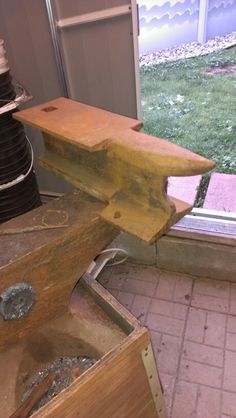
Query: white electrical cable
(107, 250)
(22, 96)
(95, 267)
(21, 177)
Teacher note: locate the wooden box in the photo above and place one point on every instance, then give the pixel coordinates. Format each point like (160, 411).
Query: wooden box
(123, 383)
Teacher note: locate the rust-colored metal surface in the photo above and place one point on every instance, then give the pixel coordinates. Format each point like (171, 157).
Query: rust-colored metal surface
(104, 154)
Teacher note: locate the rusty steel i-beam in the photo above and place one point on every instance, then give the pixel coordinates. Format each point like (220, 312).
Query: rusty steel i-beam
(105, 155)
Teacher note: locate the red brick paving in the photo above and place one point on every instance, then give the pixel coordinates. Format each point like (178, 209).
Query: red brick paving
(229, 404)
(203, 353)
(126, 299)
(165, 324)
(231, 324)
(184, 188)
(230, 341)
(140, 307)
(139, 287)
(195, 328)
(168, 383)
(210, 294)
(221, 193)
(168, 354)
(173, 310)
(230, 371)
(215, 329)
(192, 326)
(185, 400)
(233, 299)
(177, 288)
(209, 401)
(202, 373)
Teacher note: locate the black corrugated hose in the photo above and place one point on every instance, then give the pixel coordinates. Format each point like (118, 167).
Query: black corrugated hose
(16, 197)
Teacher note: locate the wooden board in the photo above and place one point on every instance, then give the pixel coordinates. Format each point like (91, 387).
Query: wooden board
(52, 259)
(118, 385)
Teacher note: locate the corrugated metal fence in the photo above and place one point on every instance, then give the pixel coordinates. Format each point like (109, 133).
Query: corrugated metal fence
(164, 24)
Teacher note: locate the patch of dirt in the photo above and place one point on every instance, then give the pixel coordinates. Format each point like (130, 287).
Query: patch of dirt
(224, 69)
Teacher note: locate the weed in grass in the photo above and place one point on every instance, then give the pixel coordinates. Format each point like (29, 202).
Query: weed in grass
(183, 103)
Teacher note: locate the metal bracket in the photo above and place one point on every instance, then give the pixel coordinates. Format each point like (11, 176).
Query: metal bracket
(16, 301)
(154, 382)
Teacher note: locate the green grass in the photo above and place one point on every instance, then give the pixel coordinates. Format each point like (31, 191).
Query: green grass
(183, 104)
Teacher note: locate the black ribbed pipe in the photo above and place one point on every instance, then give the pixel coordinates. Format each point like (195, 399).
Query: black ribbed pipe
(7, 91)
(15, 160)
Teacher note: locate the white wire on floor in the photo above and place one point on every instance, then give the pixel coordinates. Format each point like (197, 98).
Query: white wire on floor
(112, 250)
(103, 259)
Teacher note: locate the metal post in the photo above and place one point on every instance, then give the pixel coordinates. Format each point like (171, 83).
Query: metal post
(135, 30)
(202, 21)
(56, 47)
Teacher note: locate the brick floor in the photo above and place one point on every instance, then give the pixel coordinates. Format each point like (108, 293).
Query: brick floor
(184, 188)
(192, 324)
(221, 193)
(210, 294)
(140, 307)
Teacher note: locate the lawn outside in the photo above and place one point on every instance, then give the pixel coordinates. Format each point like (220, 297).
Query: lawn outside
(193, 104)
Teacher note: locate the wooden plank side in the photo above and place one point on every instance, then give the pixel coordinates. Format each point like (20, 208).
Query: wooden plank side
(45, 225)
(105, 300)
(87, 330)
(115, 387)
(51, 261)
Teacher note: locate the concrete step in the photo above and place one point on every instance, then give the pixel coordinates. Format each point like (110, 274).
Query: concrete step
(221, 193)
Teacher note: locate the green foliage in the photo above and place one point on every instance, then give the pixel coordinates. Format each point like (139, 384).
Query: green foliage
(191, 108)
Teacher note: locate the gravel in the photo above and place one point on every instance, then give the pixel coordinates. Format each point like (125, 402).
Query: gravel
(193, 49)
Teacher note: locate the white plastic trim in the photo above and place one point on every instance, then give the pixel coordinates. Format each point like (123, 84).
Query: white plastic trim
(116, 250)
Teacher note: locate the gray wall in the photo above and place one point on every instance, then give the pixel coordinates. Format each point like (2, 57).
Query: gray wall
(97, 58)
(25, 30)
